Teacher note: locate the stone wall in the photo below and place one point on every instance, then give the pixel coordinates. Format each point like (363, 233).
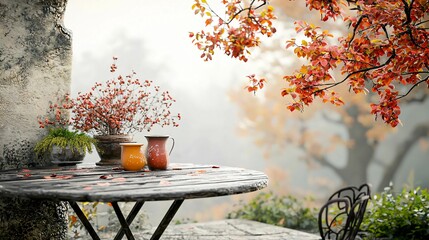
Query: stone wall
(35, 68)
(35, 65)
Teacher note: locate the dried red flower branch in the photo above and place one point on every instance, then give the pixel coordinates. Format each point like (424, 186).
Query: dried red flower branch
(121, 105)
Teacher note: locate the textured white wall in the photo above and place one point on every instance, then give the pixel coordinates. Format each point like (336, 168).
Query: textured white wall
(35, 65)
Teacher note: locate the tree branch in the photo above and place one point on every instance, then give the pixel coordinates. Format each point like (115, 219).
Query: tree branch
(355, 28)
(331, 85)
(264, 2)
(415, 85)
(324, 162)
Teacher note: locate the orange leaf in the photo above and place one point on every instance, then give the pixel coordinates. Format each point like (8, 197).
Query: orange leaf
(209, 21)
(73, 219)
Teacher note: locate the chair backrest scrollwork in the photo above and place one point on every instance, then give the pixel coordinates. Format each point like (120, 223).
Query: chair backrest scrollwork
(341, 216)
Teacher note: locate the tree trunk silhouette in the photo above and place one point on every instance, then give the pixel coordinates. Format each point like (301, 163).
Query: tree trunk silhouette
(419, 131)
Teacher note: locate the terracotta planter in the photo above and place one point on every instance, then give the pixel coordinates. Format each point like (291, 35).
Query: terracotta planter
(109, 148)
(156, 154)
(132, 156)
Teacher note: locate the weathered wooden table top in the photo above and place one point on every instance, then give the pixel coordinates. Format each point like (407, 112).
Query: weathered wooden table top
(107, 184)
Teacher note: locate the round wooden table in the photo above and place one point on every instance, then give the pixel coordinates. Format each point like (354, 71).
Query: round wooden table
(107, 184)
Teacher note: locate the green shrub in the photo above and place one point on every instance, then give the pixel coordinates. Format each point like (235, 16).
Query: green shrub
(404, 216)
(284, 211)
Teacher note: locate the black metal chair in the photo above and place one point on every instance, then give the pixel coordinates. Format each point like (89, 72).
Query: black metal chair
(341, 216)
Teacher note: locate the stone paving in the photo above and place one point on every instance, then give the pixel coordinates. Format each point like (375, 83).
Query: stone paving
(230, 229)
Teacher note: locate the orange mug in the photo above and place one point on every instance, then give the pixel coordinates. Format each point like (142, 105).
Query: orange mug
(132, 156)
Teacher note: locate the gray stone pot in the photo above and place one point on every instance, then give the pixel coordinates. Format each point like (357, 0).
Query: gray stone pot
(109, 148)
(65, 156)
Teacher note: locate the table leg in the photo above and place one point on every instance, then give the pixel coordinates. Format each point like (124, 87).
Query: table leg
(167, 219)
(133, 213)
(125, 227)
(84, 220)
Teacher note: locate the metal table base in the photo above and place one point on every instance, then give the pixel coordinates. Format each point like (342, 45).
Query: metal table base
(125, 223)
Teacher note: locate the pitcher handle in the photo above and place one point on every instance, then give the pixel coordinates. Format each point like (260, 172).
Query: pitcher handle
(171, 146)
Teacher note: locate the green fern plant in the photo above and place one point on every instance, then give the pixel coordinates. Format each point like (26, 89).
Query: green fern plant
(64, 138)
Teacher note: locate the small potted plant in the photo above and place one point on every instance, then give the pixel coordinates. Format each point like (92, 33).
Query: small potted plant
(113, 110)
(64, 147)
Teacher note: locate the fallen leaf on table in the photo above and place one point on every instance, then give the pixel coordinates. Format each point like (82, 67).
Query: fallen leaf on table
(23, 175)
(103, 184)
(55, 176)
(196, 173)
(164, 183)
(65, 177)
(106, 176)
(119, 179)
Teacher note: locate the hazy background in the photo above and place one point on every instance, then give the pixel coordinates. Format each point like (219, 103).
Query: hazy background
(151, 38)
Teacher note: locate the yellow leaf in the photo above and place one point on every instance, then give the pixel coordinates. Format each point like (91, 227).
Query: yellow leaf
(204, 1)
(304, 43)
(208, 14)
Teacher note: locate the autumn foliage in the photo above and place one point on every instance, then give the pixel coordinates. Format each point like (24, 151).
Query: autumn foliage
(235, 33)
(386, 51)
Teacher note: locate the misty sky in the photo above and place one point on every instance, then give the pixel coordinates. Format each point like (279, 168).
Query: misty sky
(162, 27)
(151, 37)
